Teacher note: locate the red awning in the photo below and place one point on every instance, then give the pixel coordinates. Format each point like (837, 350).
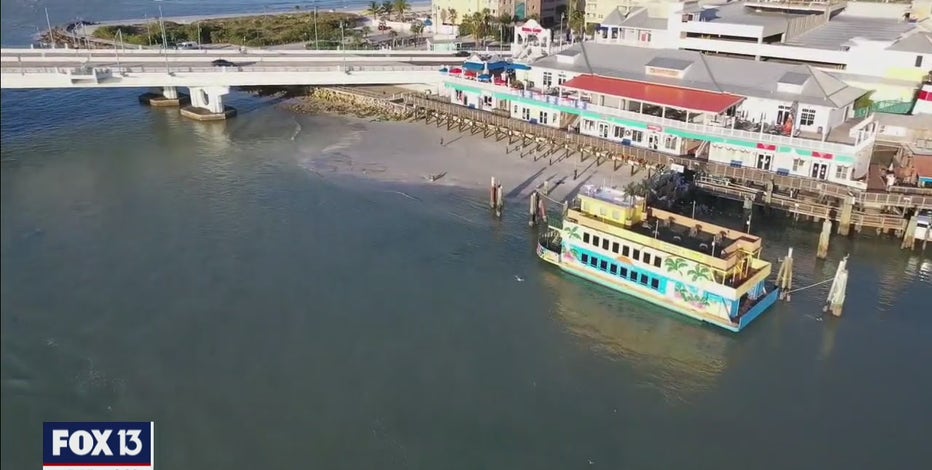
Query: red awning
(662, 95)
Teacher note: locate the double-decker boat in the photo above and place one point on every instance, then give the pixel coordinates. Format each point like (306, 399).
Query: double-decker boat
(694, 268)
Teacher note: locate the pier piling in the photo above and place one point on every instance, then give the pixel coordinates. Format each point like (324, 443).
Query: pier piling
(822, 251)
(909, 236)
(532, 210)
(844, 217)
(542, 209)
(499, 202)
(836, 295)
(785, 276)
(492, 194)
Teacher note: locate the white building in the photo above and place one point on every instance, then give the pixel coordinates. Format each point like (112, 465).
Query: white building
(859, 39)
(786, 118)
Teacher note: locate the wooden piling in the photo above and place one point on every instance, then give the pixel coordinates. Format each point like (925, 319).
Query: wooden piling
(844, 217)
(542, 209)
(836, 295)
(532, 210)
(492, 193)
(822, 251)
(785, 276)
(909, 236)
(499, 202)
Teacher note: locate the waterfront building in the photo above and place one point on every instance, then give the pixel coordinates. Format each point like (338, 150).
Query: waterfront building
(785, 118)
(868, 44)
(707, 272)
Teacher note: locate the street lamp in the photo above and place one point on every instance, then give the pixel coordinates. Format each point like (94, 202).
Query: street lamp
(316, 42)
(562, 34)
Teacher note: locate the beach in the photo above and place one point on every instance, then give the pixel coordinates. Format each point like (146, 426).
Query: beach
(413, 153)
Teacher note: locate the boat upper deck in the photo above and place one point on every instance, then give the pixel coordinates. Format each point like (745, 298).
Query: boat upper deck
(616, 212)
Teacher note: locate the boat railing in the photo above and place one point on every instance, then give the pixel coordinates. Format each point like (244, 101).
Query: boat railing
(551, 240)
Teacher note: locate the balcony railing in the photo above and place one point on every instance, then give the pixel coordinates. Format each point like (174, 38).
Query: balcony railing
(704, 129)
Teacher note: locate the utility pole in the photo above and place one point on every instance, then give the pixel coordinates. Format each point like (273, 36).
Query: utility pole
(164, 39)
(316, 42)
(51, 36)
(116, 50)
(148, 30)
(343, 44)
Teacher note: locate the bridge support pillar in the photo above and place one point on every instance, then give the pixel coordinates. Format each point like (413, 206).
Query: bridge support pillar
(164, 97)
(207, 104)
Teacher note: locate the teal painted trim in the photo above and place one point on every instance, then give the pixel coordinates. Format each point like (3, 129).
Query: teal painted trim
(846, 159)
(668, 306)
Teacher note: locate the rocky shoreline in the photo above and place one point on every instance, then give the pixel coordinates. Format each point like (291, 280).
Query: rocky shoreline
(329, 101)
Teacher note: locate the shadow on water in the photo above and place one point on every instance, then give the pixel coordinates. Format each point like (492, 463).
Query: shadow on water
(514, 193)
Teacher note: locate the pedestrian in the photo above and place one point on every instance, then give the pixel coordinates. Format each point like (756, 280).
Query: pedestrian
(575, 175)
(441, 141)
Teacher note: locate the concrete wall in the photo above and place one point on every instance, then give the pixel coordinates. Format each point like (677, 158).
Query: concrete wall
(765, 50)
(877, 9)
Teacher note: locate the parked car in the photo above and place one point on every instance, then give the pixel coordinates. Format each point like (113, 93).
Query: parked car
(462, 54)
(222, 63)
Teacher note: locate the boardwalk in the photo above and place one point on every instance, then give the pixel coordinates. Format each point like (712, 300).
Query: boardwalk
(799, 196)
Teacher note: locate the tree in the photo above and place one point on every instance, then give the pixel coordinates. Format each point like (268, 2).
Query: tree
(505, 21)
(401, 6)
(388, 7)
(374, 9)
(417, 28)
(453, 15)
(444, 16)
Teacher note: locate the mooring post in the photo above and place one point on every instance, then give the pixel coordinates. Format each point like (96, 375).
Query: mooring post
(768, 195)
(822, 251)
(836, 295)
(844, 218)
(532, 210)
(492, 194)
(542, 209)
(785, 276)
(909, 236)
(566, 207)
(500, 204)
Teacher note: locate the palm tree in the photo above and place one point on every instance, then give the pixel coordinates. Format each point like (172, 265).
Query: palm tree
(374, 9)
(573, 233)
(417, 28)
(481, 25)
(577, 20)
(453, 15)
(699, 271)
(388, 7)
(675, 264)
(444, 16)
(401, 6)
(505, 22)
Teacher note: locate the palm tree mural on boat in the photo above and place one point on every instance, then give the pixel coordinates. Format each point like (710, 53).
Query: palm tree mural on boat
(675, 265)
(570, 254)
(691, 296)
(699, 271)
(572, 232)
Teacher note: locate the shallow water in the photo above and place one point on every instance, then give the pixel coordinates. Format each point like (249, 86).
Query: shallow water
(267, 313)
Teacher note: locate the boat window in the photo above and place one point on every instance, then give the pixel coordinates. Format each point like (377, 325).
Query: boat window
(593, 261)
(603, 212)
(613, 268)
(633, 275)
(647, 258)
(605, 244)
(623, 272)
(624, 250)
(595, 240)
(585, 258)
(585, 237)
(603, 265)
(615, 247)
(657, 261)
(636, 254)
(644, 279)
(655, 284)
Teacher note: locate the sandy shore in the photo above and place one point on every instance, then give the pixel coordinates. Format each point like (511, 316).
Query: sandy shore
(405, 152)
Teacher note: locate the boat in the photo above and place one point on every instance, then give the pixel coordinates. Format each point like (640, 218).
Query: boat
(701, 270)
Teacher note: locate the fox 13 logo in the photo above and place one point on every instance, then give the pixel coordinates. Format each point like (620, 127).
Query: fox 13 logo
(93, 446)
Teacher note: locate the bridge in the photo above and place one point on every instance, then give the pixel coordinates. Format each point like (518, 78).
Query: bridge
(209, 74)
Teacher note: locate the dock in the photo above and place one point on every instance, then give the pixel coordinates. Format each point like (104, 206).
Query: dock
(845, 207)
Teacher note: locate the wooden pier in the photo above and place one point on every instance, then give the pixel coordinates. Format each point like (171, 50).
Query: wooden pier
(844, 206)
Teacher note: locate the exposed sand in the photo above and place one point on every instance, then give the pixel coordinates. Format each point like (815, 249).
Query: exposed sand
(405, 152)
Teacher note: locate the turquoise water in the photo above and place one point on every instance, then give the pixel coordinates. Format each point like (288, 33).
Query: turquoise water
(267, 316)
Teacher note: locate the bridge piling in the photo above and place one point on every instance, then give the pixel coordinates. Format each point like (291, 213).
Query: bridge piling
(822, 251)
(166, 97)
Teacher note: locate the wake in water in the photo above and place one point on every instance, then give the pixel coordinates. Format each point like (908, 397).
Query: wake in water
(297, 129)
(407, 195)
